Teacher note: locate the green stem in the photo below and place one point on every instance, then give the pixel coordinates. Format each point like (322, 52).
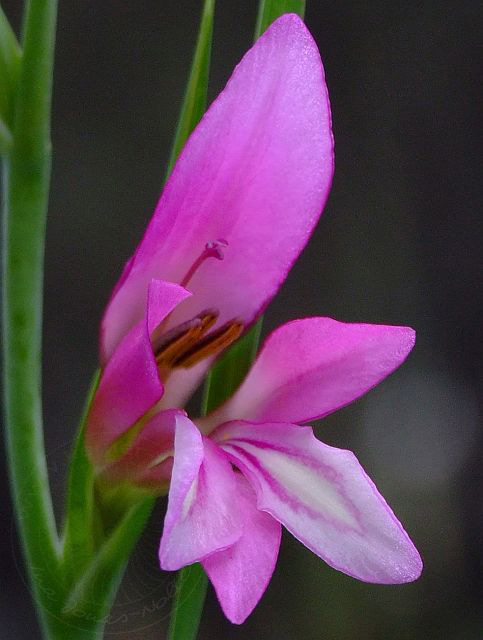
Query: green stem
(5, 137)
(191, 585)
(10, 63)
(26, 172)
(194, 101)
(93, 564)
(270, 10)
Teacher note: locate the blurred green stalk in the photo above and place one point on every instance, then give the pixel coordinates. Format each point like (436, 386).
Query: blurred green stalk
(26, 179)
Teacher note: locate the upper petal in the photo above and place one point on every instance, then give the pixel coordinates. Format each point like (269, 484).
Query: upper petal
(256, 172)
(241, 573)
(309, 368)
(202, 516)
(324, 497)
(129, 383)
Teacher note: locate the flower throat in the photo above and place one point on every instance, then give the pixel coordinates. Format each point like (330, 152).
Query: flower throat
(190, 342)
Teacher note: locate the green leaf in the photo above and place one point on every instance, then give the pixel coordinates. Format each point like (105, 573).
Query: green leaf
(194, 103)
(270, 10)
(10, 61)
(78, 539)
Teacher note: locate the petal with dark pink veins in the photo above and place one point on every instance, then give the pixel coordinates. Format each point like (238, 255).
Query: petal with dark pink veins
(324, 498)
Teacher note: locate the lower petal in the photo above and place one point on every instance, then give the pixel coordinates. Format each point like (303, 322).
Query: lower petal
(202, 515)
(324, 498)
(241, 573)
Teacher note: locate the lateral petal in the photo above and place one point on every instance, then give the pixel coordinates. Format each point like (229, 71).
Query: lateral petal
(309, 368)
(324, 498)
(202, 516)
(129, 383)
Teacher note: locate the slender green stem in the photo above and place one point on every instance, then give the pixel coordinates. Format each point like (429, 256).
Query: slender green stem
(194, 102)
(6, 139)
(192, 581)
(270, 10)
(26, 172)
(10, 62)
(93, 563)
(191, 585)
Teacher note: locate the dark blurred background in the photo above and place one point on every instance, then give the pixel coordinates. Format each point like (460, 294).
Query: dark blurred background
(400, 243)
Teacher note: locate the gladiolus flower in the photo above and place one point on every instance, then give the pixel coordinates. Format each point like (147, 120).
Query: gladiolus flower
(239, 207)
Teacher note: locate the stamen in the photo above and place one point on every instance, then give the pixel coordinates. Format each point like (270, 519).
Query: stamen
(211, 250)
(210, 345)
(179, 345)
(160, 339)
(172, 345)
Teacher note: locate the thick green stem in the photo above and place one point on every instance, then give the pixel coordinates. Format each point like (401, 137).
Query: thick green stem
(26, 173)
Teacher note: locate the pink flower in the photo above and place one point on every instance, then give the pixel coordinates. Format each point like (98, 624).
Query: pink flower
(248, 189)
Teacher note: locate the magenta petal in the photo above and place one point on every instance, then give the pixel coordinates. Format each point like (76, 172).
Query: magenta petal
(256, 172)
(202, 516)
(309, 368)
(241, 573)
(162, 298)
(324, 498)
(130, 384)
